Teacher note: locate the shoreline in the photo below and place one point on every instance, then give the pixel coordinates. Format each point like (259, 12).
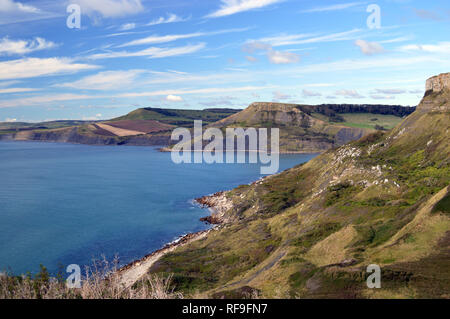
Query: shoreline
(217, 204)
(169, 150)
(135, 270)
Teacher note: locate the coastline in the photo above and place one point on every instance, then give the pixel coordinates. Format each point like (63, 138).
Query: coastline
(168, 150)
(132, 272)
(217, 203)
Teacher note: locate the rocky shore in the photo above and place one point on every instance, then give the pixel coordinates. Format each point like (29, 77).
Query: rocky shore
(219, 204)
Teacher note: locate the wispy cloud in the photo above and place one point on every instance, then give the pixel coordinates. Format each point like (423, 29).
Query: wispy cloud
(230, 7)
(127, 26)
(390, 91)
(274, 56)
(43, 99)
(279, 57)
(280, 96)
(110, 8)
(335, 7)
(34, 67)
(152, 52)
(107, 80)
(308, 93)
(349, 94)
(441, 47)
(17, 90)
(382, 97)
(369, 48)
(171, 18)
(154, 39)
(194, 91)
(17, 11)
(303, 38)
(12, 6)
(20, 47)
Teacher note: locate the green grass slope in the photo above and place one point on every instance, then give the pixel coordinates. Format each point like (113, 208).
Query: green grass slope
(183, 118)
(311, 231)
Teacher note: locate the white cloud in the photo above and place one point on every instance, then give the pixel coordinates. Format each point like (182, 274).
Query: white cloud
(43, 99)
(308, 93)
(275, 57)
(154, 39)
(152, 52)
(9, 120)
(230, 7)
(11, 47)
(349, 93)
(304, 38)
(171, 18)
(335, 7)
(5, 84)
(369, 48)
(127, 26)
(441, 47)
(194, 91)
(15, 12)
(107, 80)
(16, 90)
(174, 98)
(390, 91)
(251, 58)
(278, 57)
(34, 67)
(110, 8)
(382, 97)
(253, 46)
(10, 6)
(279, 96)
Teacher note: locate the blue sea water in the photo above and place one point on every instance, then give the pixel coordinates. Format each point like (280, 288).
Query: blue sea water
(69, 204)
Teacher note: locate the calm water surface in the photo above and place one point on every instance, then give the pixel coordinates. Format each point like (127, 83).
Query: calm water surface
(70, 204)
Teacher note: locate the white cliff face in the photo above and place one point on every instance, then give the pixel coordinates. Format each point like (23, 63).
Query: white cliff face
(438, 83)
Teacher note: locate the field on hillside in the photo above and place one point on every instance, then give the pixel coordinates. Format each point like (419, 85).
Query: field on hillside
(369, 120)
(364, 120)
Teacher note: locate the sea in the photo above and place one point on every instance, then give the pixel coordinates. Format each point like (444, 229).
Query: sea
(63, 204)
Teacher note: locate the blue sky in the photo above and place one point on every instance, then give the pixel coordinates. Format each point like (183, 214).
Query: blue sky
(218, 53)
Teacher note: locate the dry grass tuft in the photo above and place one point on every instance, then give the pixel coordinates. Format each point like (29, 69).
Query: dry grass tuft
(101, 281)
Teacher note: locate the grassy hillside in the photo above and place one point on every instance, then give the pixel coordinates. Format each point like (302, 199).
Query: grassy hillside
(303, 128)
(183, 118)
(311, 231)
(13, 127)
(364, 120)
(300, 131)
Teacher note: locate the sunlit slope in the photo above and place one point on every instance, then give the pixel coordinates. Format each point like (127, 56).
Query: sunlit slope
(311, 231)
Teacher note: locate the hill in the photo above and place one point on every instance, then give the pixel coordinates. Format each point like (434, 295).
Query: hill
(307, 128)
(184, 118)
(311, 231)
(143, 127)
(303, 128)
